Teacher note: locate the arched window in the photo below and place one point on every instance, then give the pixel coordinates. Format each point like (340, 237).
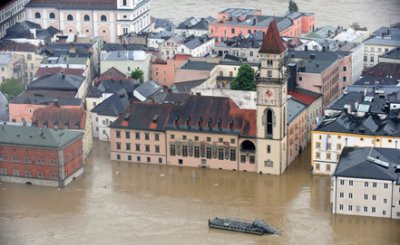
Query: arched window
(70, 18)
(52, 16)
(268, 123)
(37, 15)
(86, 18)
(103, 18)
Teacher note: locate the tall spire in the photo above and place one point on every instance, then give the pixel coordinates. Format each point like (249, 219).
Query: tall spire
(272, 43)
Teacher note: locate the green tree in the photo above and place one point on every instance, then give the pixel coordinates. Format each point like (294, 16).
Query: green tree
(138, 75)
(11, 87)
(244, 79)
(293, 6)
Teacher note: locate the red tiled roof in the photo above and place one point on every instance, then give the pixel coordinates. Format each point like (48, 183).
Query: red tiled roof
(182, 56)
(195, 107)
(304, 98)
(53, 70)
(53, 114)
(18, 47)
(272, 43)
(112, 72)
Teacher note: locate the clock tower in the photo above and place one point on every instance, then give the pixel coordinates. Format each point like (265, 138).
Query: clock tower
(272, 105)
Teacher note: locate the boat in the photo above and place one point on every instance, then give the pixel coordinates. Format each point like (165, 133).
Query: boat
(257, 227)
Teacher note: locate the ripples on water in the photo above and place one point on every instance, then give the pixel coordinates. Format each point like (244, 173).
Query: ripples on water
(127, 203)
(370, 13)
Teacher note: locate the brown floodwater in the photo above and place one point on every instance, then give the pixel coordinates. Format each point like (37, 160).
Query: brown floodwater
(128, 203)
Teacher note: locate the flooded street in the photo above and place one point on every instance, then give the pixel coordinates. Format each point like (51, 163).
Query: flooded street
(125, 203)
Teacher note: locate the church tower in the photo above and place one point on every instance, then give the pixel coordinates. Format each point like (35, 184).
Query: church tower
(272, 105)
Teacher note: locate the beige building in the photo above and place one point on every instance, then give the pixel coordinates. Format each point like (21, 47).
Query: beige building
(377, 46)
(12, 66)
(366, 182)
(127, 62)
(297, 128)
(29, 54)
(105, 18)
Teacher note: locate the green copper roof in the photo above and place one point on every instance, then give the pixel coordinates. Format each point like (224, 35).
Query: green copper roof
(37, 137)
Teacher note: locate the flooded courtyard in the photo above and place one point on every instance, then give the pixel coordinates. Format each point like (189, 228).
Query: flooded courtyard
(128, 203)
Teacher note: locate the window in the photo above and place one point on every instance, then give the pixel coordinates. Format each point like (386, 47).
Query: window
(350, 195)
(268, 123)
(374, 197)
(365, 196)
(328, 156)
(252, 159)
(385, 186)
(233, 30)
(184, 150)
(220, 140)
(242, 158)
(318, 145)
(118, 146)
(208, 139)
(350, 182)
(384, 200)
(103, 18)
(339, 147)
(341, 206)
(196, 151)
(344, 79)
(124, 2)
(148, 159)
(146, 136)
(137, 147)
(208, 152)
(341, 182)
(344, 68)
(300, 79)
(317, 166)
(70, 18)
(172, 136)
(350, 208)
(147, 147)
(328, 167)
(341, 195)
(128, 146)
(129, 158)
(52, 16)
(138, 159)
(86, 18)
(180, 161)
(184, 137)
(220, 153)
(159, 160)
(157, 149)
(365, 209)
(156, 137)
(233, 141)
(127, 134)
(374, 184)
(38, 15)
(118, 134)
(384, 212)
(371, 59)
(269, 73)
(172, 150)
(365, 184)
(233, 155)
(118, 157)
(137, 135)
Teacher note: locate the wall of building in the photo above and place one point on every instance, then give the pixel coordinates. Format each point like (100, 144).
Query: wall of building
(366, 197)
(128, 66)
(164, 73)
(10, 14)
(24, 112)
(297, 136)
(372, 53)
(101, 123)
(326, 147)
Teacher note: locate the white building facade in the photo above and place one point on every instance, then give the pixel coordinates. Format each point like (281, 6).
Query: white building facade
(107, 18)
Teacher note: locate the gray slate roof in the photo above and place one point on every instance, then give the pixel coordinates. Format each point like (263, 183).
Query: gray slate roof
(35, 137)
(295, 107)
(58, 81)
(148, 88)
(194, 23)
(316, 62)
(360, 163)
(113, 105)
(198, 65)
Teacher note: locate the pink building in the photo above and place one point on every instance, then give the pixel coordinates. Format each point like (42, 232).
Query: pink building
(233, 22)
(164, 72)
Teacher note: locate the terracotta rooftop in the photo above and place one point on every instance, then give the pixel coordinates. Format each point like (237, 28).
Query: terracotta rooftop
(272, 43)
(152, 116)
(61, 117)
(53, 70)
(19, 47)
(113, 73)
(304, 97)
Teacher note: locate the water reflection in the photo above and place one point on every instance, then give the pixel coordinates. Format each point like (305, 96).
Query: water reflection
(129, 203)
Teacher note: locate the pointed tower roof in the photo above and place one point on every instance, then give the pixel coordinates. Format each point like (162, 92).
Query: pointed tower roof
(272, 43)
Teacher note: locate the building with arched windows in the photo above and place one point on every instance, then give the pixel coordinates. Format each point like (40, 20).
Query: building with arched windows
(108, 19)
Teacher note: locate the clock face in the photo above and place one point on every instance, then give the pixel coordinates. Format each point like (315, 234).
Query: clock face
(268, 96)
